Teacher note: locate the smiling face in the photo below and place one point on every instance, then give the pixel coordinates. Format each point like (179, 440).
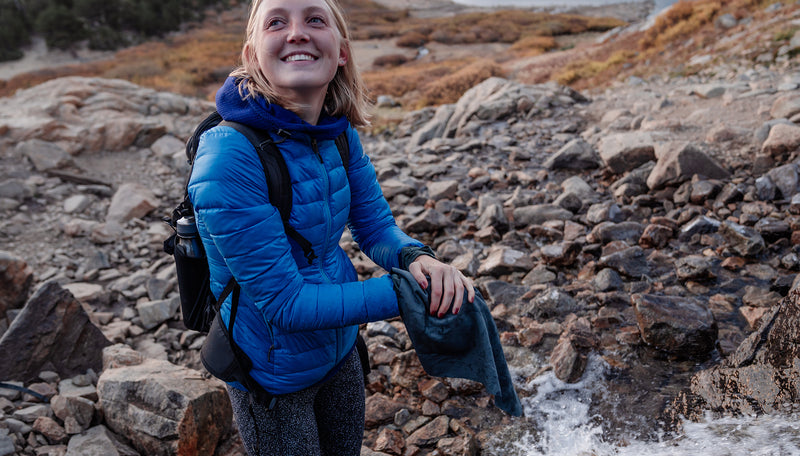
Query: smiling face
(298, 48)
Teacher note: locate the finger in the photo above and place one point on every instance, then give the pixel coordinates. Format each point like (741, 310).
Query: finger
(416, 271)
(436, 291)
(458, 300)
(448, 291)
(470, 288)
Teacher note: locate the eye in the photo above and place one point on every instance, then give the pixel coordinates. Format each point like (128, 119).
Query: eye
(274, 22)
(316, 20)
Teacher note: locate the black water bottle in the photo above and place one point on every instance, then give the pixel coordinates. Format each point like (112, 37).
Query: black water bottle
(188, 239)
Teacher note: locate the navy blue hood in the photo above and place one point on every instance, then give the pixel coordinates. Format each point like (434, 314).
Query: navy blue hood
(257, 113)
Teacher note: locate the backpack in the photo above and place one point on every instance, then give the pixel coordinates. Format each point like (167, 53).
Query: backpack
(198, 304)
(220, 354)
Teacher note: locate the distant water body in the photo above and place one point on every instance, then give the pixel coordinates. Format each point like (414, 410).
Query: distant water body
(658, 4)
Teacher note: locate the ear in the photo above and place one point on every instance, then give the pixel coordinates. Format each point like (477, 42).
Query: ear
(249, 57)
(343, 54)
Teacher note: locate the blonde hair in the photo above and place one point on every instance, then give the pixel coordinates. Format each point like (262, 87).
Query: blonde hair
(347, 94)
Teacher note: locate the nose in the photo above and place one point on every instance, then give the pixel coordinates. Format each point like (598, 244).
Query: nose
(297, 32)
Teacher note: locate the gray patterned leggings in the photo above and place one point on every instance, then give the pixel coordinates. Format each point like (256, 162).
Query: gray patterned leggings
(322, 420)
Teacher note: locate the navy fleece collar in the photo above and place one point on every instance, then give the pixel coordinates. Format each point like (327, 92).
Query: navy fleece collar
(256, 112)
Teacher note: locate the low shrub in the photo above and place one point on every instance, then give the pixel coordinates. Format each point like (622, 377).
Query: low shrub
(412, 39)
(533, 45)
(450, 88)
(391, 60)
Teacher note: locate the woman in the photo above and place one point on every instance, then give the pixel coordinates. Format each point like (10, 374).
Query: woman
(297, 321)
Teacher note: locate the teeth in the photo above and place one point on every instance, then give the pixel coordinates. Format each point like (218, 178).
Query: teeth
(298, 57)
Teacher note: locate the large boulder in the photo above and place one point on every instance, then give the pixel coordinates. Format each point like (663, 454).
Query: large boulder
(761, 376)
(52, 332)
(162, 408)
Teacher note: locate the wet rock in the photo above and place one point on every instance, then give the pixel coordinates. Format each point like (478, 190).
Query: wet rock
(760, 377)
(53, 332)
(679, 326)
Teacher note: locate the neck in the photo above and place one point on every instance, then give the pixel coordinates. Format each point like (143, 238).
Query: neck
(307, 107)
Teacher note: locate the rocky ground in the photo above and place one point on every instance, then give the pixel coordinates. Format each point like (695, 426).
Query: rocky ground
(653, 225)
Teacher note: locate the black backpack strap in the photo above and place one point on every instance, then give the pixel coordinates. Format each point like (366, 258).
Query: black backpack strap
(344, 149)
(278, 181)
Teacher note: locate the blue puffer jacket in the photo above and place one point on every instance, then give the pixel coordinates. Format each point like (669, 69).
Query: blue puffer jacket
(296, 321)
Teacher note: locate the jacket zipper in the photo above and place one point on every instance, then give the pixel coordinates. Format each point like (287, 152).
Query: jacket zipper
(328, 223)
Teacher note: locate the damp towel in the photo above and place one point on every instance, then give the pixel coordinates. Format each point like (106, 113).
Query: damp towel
(465, 345)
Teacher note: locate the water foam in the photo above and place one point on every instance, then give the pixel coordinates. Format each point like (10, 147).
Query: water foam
(559, 422)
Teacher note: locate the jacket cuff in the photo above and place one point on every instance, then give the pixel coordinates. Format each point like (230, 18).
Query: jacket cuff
(410, 253)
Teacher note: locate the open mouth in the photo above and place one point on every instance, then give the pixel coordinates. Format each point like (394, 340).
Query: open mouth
(299, 58)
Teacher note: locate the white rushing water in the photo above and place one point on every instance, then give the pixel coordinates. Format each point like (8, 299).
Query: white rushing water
(562, 424)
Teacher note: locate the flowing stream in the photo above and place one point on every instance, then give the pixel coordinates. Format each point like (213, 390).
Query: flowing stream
(561, 421)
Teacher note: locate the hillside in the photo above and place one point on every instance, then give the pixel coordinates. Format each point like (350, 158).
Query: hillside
(635, 235)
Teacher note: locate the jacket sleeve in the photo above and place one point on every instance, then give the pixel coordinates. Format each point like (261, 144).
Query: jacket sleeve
(230, 196)
(371, 220)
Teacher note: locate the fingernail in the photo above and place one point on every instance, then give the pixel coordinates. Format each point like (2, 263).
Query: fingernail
(456, 311)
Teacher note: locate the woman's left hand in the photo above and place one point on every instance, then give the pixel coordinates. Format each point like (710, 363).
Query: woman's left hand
(447, 284)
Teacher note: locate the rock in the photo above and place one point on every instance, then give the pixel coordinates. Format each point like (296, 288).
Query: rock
(130, 201)
(679, 326)
(165, 409)
(569, 357)
(550, 304)
(782, 139)
(694, 267)
(45, 155)
(538, 214)
(759, 377)
(504, 260)
(630, 262)
(380, 409)
(430, 433)
(98, 441)
(679, 162)
(625, 151)
(576, 154)
(742, 239)
(75, 412)
(434, 128)
(785, 107)
(16, 278)
(153, 313)
(52, 332)
(390, 441)
(606, 232)
(430, 220)
(785, 179)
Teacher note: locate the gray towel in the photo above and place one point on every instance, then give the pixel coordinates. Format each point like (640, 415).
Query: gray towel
(465, 345)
